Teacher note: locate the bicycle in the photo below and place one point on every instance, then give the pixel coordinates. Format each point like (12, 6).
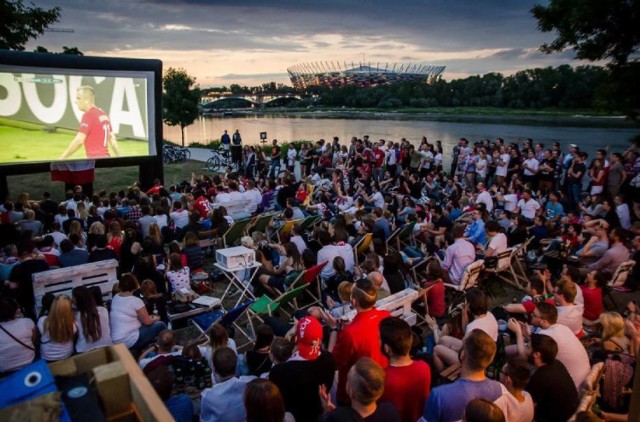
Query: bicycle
(219, 160)
(173, 154)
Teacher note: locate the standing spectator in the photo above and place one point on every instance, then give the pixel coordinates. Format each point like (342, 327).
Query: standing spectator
(575, 173)
(616, 175)
(308, 368)
(448, 402)
(360, 338)
(407, 382)
(551, 386)
(365, 387)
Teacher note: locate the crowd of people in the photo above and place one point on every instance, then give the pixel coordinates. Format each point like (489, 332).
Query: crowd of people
(578, 216)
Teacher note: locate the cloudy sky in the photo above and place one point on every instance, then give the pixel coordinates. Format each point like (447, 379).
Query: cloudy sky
(250, 42)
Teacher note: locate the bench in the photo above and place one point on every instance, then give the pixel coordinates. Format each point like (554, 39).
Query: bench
(398, 305)
(63, 280)
(235, 209)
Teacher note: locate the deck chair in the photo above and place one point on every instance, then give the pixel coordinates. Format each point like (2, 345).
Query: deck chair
(362, 246)
(392, 241)
(207, 240)
(307, 278)
(309, 221)
(618, 280)
(504, 270)
(260, 223)
(469, 278)
(236, 231)
(286, 228)
(405, 237)
(266, 306)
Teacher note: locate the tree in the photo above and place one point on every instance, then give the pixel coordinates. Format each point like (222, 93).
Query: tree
(71, 50)
(20, 23)
(180, 99)
(595, 29)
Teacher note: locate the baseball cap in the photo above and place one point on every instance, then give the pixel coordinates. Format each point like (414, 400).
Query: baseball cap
(573, 146)
(309, 337)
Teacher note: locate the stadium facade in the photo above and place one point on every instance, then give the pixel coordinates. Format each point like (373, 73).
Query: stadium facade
(336, 74)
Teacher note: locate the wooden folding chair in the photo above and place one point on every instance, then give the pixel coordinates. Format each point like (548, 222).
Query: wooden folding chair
(618, 280)
(469, 278)
(504, 269)
(233, 235)
(362, 246)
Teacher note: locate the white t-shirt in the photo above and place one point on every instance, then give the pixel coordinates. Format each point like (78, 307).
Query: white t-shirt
(502, 170)
(571, 352)
(498, 243)
(515, 411)
(327, 253)
(14, 355)
(291, 156)
(623, 215)
(484, 197)
(532, 163)
(528, 209)
(378, 199)
(254, 197)
(510, 201)
(299, 242)
(180, 218)
(83, 344)
(571, 316)
(162, 220)
(125, 324)
(487, 323)
(50, 350)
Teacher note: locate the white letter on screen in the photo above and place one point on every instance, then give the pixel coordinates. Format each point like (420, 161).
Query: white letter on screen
(10, 104)
(124, 90)
(52, 113)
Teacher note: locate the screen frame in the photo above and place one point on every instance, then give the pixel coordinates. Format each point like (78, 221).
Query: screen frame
(46, 61)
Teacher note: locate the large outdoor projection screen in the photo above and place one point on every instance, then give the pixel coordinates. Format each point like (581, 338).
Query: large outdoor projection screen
(56, 108)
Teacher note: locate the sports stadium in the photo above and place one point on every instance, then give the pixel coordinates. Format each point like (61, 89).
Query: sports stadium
(336, 74)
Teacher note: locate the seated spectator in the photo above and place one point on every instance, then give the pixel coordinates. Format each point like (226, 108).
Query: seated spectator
(178, 274)
(258, 359)
(365, 386)
(179, 405)
(613, 338)
(166, 346)
(592, 296)
(446, 352)
(516, 404)
(92, 321)
(101, 252)
(71, 256)
(341, 274)
(155, 303)
(497, 239)
(57, 330)
(377, 281)
(299, 377)
(218, 337)
(224, 401)
(193, 251)
(17, 338)
(551, 387)
(569, 313)
(263, 403)
(407, 382)
(458, 255)
(130, 321)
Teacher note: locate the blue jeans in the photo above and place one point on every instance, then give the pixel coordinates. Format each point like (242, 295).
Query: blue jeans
(575, 191)
(274, 164)
(148, 333)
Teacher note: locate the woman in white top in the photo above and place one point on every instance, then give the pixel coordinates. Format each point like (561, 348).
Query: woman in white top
(17, 336)
(92, 321)
(130, 321)
(57, 330)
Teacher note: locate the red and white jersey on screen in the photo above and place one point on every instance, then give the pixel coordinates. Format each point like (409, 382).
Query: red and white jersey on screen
(97, 126)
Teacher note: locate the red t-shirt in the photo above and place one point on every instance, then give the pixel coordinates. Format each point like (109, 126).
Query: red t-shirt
(593, 305)
(203, 206)
(379, 154)
(359, 339)
(408, 387)
(97, 126)
(435, 300)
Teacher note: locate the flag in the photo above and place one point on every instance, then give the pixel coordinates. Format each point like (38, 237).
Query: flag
(76, 172)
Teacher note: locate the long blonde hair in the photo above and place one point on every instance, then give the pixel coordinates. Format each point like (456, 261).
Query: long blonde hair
(612, 325)
(59, 322)
(76, 227)
(154, 233)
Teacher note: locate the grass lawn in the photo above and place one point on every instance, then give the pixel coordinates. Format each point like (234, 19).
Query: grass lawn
(109, 179)
(27, 142)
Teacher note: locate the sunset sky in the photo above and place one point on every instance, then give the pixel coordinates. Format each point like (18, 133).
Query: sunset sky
(221, 42)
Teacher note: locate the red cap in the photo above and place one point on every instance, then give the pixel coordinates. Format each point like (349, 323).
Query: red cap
(309, 337)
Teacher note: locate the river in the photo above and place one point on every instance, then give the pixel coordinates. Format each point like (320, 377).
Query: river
(382, 126)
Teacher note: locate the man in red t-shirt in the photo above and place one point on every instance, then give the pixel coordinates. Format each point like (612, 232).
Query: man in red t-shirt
(95, 129)
(360, 338)
(407, 382)
(378, 156)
